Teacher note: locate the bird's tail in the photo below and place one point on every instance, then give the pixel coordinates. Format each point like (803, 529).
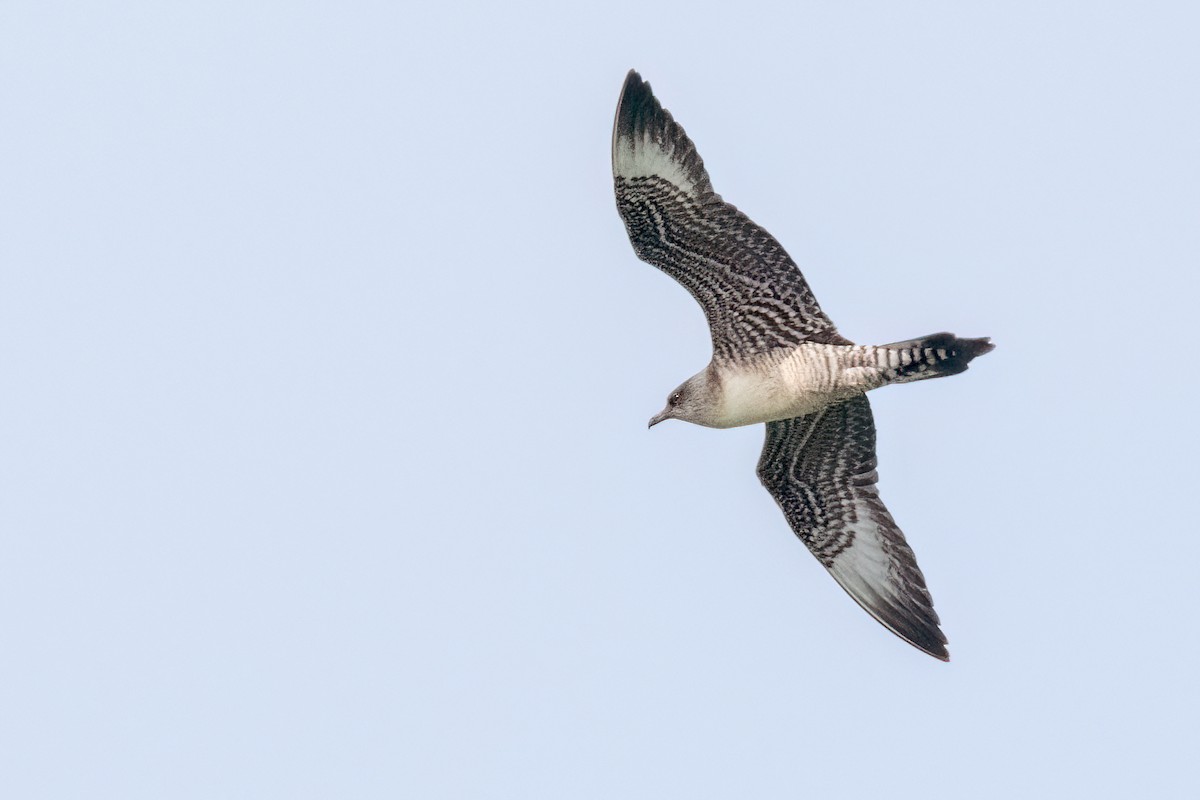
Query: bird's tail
(933, 356)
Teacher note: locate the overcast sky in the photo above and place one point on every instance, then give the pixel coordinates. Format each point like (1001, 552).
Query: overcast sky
(326, 367)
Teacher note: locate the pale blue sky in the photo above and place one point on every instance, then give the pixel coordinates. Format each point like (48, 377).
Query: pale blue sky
(327, 366)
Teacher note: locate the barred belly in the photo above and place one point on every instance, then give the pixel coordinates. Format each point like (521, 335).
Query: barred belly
(793, 383)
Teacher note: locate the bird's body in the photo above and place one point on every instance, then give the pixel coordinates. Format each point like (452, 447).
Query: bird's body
(780, 385)
(788, 383)
(793, 382)
(779, 360)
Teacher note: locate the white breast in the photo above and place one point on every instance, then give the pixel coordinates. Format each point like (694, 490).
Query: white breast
(782, 386)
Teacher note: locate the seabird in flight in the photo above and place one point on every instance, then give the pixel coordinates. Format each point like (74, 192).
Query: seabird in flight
(778, 359)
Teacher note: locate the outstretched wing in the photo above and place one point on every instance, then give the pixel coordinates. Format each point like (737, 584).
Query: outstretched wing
(752, 293)
(820, 468)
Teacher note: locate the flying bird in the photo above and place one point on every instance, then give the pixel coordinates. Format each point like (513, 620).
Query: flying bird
(778, 359)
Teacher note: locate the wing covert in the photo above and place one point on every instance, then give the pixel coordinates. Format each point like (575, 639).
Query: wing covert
(821, 469)
(752, 293)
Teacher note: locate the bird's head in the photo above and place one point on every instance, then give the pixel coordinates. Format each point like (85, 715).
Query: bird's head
(690, 402)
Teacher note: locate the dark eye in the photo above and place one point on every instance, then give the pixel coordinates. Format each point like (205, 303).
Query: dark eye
(675, 398)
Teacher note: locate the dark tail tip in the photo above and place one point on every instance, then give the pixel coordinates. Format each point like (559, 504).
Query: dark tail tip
(936, 356)
(973, 348)
(953, 356)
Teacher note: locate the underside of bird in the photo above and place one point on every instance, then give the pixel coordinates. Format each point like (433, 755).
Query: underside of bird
(778, 359)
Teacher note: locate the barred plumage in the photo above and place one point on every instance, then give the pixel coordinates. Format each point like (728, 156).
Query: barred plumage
(820, 468)
(778, 359)
(751, 291)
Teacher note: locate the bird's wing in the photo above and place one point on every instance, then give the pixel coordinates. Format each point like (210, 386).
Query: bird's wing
(752, 293)
(820, 468)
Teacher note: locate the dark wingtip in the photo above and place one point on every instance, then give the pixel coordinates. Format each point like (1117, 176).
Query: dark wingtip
(926, 636)
(931, 642)
(636, 96)
(641, 118)
(634, 84)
